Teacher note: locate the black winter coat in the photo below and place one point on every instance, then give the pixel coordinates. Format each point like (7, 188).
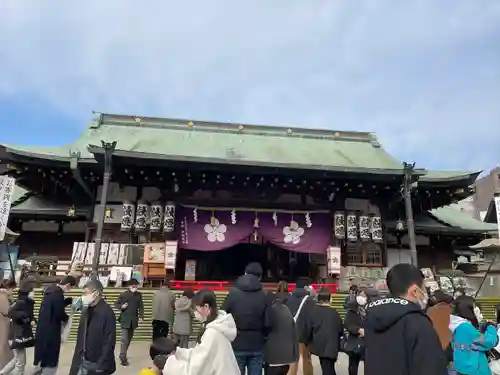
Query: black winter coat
(48, 330)
(248, 304)
(353, 322)
(282, 345)
(129, 317)
(303, 323)
(21, 316)
(96, 339)
(326, 332)
(401, 340)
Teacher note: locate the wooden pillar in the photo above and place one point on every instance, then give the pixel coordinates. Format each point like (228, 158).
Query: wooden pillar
(108, 153)
(408, 176)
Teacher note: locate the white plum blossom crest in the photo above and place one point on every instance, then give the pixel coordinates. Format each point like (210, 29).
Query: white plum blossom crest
(215, 231)
(293, 233)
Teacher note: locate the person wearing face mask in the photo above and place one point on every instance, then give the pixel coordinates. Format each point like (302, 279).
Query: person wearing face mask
(21, 334)
(131, 308)
(213, 354)
(51, 319)
(470, 339)
(95, 344)
(399, 336)
(354, 324)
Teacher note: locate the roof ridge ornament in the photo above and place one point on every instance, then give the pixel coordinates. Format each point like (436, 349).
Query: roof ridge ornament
(374, 140)
(96, 120)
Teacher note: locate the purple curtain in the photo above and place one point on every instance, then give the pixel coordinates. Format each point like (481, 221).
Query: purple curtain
(198, 231)
(297, 232)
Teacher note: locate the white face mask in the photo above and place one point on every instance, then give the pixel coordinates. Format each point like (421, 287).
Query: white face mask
(133, 290)
(88, 299)
(199, 317)
(478, 314)
(31, 295)
(361, 300)
(424, 300)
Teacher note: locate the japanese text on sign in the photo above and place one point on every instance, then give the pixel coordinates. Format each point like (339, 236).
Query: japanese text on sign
(7, 185)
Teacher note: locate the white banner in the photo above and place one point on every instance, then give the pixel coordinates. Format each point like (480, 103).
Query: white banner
(7, 185)
(497, 206)
(171, 254)
(333, 255)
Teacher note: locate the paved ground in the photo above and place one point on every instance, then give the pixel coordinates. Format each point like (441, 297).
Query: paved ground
(139, 358)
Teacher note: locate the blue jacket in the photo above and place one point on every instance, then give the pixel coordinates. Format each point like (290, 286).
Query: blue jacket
(470, 346)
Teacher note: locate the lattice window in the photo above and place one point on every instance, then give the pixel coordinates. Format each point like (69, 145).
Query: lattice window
(364, 254)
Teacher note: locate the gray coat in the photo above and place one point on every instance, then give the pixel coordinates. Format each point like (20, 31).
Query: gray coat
(182, 319)
(163, 305)
(282, 345)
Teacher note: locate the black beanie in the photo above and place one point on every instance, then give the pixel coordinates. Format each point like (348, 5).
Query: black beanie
(254, 268)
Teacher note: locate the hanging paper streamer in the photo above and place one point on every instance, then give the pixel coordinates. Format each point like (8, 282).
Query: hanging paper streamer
(275, 219)
(233, 217)
(156, 217)
(128, 216)
(169, 220)
(352, 227)
(256, 221)
(376, 228)
(308, 220)
(364, 228)
(339, 225)
(195, 215)
(141, 217)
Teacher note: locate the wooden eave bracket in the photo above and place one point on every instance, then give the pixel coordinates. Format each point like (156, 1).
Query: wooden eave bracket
(75, 156)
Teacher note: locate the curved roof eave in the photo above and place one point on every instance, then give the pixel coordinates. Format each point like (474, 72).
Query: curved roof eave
(431, 177)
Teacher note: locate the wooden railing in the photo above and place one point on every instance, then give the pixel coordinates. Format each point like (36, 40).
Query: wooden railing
(223, 286)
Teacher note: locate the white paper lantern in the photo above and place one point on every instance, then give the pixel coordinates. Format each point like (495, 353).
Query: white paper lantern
(339, 225)
(156, 217)
(141, 217)
(352, 227)
(376, 228)
(169, 219)
(364, 228)
(128, 216)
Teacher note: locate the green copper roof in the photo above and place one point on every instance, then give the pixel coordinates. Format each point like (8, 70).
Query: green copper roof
(225, 143)
(19, 195)
(452, 215)
(243, 144)
(445, 176)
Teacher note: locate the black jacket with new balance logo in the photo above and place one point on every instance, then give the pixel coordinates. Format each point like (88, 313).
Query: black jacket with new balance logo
(400, 340)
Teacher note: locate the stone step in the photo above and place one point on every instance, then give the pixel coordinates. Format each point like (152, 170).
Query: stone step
(144, 331)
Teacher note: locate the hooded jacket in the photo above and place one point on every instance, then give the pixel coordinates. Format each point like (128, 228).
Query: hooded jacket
(400, 340)
(51, 317)
(304, 320)
(470, 346)
(248, 304)
(182, 319)
(212, 356)
(282, 345)
(21, 316)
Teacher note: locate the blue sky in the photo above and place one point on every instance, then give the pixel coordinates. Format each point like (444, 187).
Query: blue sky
(423, 74)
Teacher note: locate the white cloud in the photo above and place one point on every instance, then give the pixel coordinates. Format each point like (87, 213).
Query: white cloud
(424, 75)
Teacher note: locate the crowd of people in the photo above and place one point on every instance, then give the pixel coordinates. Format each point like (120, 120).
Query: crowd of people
(411, 331)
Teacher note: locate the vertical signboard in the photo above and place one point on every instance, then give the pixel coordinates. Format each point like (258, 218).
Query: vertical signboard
(7, 185)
